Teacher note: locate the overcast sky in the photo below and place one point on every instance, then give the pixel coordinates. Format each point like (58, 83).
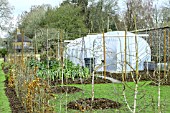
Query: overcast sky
(25, 5)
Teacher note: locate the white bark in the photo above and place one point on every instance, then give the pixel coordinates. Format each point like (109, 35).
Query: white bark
(93, 86)
(124, 95)
(159, 80)
(135, 98)
(159, 95)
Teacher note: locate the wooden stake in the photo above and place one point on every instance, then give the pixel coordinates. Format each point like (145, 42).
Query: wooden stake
(15, 47)
(124, 77)
(150, 39)
(104, 53)
(22, 35)
(169, 51)
(35, 48)
(61, 46)
(164, 52)
(62, 59)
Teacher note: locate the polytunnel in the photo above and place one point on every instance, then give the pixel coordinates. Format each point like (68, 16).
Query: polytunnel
(91, 46)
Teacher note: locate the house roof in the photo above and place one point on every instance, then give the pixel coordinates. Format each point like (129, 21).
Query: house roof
(19, 39)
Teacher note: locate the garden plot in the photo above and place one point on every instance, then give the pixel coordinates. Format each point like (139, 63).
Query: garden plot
(57, 84)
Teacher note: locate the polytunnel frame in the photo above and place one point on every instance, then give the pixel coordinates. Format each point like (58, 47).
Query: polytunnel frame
(104, 52)
(124, 71)
(125, 52)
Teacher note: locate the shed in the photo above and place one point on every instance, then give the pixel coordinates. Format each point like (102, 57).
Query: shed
(91, 46)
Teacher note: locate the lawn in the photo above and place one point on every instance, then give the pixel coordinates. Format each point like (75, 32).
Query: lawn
(147, 97)
(4, 103)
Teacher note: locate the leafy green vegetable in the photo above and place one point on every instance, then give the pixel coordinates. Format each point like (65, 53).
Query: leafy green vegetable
(52, 68)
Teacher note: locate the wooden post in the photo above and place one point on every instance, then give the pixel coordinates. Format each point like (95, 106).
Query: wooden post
(22, 35)
(137, 60)
(164, 52)
(58, 45)
(168, 55)
(35, 48)
(61, 55)
(61, 47)
(169, 50)
(124, 77)
(35, 52)
(56, 48)
(104, 53)
(15, 47)
(150, 37)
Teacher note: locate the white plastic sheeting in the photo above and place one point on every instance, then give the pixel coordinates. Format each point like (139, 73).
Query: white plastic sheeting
(91, 46)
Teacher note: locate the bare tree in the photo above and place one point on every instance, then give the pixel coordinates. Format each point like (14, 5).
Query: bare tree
(5, 13)
(165, 15)
(34, 19)
(142, 10)
(100, 14)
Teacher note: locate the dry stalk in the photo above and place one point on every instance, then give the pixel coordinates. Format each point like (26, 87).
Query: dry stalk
(11, 79)
(38, 97)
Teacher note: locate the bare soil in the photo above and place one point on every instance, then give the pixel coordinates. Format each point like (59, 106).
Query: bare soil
(80, 81)
(81, 104)
(65, 89)
(15, 104)
(98, 103)
(6, 70)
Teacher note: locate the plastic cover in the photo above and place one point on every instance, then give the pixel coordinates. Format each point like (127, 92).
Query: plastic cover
(91, 46)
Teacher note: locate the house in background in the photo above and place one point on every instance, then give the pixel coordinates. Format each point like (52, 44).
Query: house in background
(17, 43)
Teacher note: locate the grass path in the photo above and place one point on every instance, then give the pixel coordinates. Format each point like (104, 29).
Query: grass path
(147, 97)
(4, 103)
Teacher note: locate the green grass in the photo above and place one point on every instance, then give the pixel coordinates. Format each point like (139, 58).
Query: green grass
(147, 97)
(4, 103)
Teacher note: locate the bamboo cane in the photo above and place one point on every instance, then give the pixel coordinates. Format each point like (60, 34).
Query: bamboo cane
(15, 47)
(124, 77)
(169, 49)
(62, 60)
(22, 61)
(164, 52)
(104, 53)
(159, 76)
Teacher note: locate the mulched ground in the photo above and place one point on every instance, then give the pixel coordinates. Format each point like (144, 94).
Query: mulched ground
(15, 104)
(81, 104)
(64, 89)
(6, 70)
(71, 89)
(80, 81)
(98, 103)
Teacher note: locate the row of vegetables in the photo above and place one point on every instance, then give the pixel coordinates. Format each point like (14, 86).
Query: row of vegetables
(56, 70)
(29, 80)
